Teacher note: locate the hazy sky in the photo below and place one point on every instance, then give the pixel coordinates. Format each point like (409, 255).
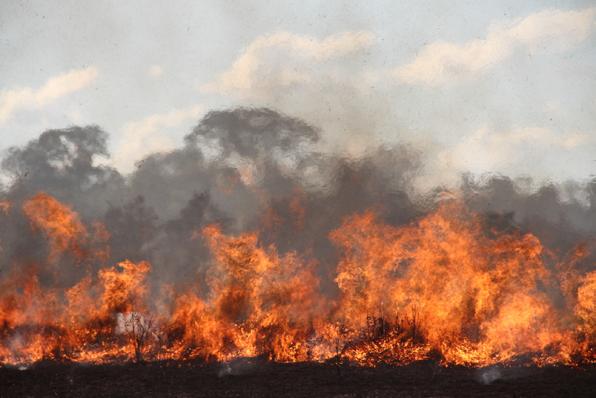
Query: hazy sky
(500, 86)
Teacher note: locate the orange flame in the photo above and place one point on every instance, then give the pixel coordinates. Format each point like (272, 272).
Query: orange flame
(58, 222)
(5, 206)
(445, 287)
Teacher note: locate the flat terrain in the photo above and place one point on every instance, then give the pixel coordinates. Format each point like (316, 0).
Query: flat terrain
(254, 378)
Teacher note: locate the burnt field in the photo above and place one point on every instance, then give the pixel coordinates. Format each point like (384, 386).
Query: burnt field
(253, 378)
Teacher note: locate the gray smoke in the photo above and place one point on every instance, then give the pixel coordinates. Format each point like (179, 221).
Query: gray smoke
(252, 169)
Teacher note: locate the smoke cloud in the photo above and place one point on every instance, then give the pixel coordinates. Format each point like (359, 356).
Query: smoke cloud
(249, 222)
(252, 169)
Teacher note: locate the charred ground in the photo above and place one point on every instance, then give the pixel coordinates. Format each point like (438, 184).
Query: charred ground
(255, 378)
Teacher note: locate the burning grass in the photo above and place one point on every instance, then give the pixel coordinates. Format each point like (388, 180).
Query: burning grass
(446, 287)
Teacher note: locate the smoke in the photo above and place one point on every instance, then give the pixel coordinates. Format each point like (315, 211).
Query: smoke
(490, 375)
(258, 170)
(63, 164)
(240, 366)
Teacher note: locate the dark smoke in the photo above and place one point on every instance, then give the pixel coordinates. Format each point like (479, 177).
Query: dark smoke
(252, 169)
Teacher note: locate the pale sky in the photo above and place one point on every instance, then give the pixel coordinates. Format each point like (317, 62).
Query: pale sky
(500, 86)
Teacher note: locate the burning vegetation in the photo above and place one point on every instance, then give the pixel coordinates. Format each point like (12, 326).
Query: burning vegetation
(263, 247)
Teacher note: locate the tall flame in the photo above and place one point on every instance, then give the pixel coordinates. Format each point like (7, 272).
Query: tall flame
(447, 287)
(61, 225)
